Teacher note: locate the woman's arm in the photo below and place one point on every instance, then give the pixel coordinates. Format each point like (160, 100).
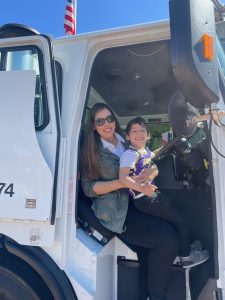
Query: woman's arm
(145, 188)
(93, 188)
(103, 187)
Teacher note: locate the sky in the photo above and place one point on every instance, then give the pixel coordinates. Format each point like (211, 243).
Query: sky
(47, 16)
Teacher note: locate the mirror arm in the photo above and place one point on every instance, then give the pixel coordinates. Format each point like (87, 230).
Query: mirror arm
(214, 114)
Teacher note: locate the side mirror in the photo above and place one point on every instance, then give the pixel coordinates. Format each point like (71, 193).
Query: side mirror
(193, 50)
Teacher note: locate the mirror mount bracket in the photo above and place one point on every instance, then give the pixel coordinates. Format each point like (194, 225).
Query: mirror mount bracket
(214, 114)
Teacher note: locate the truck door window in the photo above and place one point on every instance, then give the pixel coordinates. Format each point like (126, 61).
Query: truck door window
(30, 58)
(160, 133)
(220, 52)
(58, 69)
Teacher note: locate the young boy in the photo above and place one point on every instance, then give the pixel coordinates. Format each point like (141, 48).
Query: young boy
(132, 162)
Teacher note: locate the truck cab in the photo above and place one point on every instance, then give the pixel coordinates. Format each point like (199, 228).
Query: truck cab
(171, 73)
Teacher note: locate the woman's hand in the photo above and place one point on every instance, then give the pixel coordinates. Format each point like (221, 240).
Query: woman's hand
(147, 174)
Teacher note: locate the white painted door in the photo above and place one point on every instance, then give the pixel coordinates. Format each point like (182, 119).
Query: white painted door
(30, 140)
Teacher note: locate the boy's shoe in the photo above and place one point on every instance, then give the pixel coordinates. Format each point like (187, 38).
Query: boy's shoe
(195, 258)
(196, 245)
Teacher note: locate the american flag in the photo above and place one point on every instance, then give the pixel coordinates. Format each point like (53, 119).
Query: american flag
(69, 19)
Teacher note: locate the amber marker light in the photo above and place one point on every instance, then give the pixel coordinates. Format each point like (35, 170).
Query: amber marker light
(208, 46)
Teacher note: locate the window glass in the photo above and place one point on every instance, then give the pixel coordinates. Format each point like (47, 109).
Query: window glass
(58, 68)
(160, 135)
(29, 59)
(221, 57)
(220, 52)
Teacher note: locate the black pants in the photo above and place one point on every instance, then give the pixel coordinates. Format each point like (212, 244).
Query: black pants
(159, 206)
(155, 241)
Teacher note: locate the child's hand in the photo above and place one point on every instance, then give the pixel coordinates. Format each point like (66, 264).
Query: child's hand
(148, 189)
(147, 174)
(153, 172)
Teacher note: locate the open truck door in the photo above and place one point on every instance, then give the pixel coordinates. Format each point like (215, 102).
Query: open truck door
(30, 130)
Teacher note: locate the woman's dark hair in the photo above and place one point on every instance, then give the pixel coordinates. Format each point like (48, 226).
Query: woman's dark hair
(91, 163)
(137, 120)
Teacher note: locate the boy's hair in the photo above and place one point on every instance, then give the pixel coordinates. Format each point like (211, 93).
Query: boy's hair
(137, 120)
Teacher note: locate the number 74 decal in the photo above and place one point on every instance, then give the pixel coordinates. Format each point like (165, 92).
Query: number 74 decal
(6, 189)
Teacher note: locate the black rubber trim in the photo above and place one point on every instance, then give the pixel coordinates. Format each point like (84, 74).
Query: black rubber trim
(57, 116)
(16, 30)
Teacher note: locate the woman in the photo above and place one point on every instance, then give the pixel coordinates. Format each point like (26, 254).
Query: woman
(153, 239)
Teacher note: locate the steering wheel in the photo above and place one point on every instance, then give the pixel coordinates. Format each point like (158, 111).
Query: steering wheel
(166, 149)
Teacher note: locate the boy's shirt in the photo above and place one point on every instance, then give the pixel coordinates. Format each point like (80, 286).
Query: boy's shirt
(136, 160)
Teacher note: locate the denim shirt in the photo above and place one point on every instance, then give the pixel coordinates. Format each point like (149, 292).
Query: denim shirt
(110, 208)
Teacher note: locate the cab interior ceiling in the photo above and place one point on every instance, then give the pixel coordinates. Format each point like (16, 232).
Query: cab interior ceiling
(135, 79)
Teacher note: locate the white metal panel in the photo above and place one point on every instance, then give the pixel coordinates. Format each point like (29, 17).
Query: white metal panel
(92, 268)
(218, 163)
(29, 233)
(22, 163)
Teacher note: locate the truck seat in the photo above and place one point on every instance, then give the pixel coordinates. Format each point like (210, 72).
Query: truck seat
(89, 222)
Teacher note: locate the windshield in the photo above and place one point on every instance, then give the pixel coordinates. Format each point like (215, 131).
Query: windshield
(221, 58)
(220, 45)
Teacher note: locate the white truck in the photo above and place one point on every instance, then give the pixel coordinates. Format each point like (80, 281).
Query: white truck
(171, 74)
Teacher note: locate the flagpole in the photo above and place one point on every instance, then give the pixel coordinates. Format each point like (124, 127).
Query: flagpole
(75, 16)
(70, 17)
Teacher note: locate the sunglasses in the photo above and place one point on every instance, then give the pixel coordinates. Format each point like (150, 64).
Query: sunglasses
(101, 121)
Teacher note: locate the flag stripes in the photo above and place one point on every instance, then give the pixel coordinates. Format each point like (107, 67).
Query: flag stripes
(69, 19)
